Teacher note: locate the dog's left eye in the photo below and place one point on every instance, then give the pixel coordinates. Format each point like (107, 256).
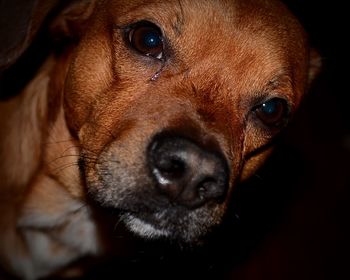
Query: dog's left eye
(147, 39)
(273, 113)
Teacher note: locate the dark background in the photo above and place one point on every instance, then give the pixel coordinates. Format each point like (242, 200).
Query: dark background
(291, 221)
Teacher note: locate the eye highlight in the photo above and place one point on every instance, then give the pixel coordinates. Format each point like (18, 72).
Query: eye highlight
(273, 112)
(146, 38)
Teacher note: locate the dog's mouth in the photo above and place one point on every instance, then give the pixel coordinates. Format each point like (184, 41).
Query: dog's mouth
(149, 215)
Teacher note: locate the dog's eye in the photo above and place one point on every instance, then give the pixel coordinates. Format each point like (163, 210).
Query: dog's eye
(147, 39)
(272, 113)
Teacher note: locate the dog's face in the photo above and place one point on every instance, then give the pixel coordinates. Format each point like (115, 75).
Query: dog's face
(175, 102)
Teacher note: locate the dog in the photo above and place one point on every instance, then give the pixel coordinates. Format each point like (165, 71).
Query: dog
(156, 109)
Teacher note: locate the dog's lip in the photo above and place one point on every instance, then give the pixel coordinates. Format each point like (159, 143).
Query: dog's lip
(148, 216)
(144, 226)
(147, 224)
(157, 216)
(150, 213)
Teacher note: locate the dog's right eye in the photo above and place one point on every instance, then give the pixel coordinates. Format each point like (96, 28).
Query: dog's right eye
(146, 38)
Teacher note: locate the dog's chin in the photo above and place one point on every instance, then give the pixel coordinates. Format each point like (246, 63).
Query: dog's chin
(143, 228)
(180, 226)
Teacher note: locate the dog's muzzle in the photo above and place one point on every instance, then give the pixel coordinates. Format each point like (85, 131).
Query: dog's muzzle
(169, 186)
(189, 183)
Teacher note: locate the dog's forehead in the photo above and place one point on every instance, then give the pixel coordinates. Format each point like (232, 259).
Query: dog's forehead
(242, 44)
(256, 15)
(227, 27)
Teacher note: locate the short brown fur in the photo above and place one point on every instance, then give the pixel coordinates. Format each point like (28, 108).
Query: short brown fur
(102, 102)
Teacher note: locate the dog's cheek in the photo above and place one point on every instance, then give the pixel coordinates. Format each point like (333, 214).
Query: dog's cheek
(90, 74)
(118, 173)
(252, 164)
(116, 185)
(256, 149)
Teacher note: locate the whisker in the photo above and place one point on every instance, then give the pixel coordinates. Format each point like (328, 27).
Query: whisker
(108, 131)
(117, 234)
(117, 224)
(63, 154)
(83, 205)
(69, 148)
(63, 167)
(58, 142)
(258, 177)
(61, 157)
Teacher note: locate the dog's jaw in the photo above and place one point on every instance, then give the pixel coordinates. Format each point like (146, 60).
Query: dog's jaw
(128, 186)
(182, 226)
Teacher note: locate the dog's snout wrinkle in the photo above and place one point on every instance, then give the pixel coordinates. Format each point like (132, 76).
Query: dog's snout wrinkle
(186, 173)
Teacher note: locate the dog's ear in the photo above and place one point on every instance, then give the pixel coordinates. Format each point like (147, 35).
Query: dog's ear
(20, 21)
(70, 22)
(315, 65)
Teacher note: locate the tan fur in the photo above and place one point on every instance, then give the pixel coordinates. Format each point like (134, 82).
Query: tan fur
(102, 102)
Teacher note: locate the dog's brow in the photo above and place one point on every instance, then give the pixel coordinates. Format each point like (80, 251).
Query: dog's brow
(280, 80)
(180, 20)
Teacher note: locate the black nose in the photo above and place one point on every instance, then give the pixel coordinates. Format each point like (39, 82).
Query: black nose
(186, 173)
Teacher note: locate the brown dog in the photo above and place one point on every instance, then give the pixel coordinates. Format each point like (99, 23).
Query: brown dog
(158, 109)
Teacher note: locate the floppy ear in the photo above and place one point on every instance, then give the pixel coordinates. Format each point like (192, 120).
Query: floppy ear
(315, 64)
(71, 20)
(20, 21)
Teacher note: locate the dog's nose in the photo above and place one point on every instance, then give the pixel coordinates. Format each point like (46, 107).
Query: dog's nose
(186, 173)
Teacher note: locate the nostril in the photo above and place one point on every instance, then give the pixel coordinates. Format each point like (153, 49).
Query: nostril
(170, 166)
(210, 188)
(203, 188)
